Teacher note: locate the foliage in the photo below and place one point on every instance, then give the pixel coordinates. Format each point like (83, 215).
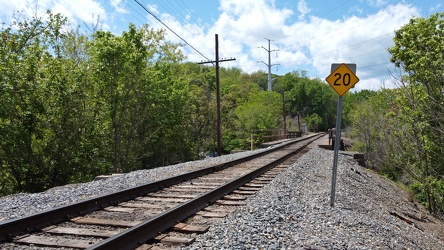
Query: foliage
(376, 128)
(311, 96)
(313, 121)
(418, 52)
(199, 112)
(74, 105)
(43, 112)
(140, 95)
(261, 111)
(401, 130)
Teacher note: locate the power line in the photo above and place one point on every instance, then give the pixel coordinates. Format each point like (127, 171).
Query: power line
(181, 18)
(347, 47)
(198, 22)
(158, 19)
(353, 27)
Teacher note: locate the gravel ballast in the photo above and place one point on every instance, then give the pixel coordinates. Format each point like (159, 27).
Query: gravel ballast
(292, 212)
(22, 204)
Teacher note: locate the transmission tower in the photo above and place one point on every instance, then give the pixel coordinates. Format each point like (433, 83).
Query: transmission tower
(269, 65)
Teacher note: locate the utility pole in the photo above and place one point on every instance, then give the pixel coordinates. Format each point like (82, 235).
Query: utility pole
(283, 112)
(217, 61)
(269, 65)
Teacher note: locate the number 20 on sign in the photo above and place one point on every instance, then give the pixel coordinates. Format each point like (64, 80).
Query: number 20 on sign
(342, 79)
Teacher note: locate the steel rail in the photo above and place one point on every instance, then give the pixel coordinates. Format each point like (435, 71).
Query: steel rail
(135, 236)
(28, 224)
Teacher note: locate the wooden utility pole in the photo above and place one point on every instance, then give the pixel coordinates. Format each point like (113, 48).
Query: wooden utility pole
(217, 61)
(283, 112)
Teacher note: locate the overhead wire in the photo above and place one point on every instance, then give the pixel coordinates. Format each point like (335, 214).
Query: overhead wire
(222, 49)
(189, 27)
(353, 27)
(374, 65)
(346, 47)
(164, 24)
(153, 23)
(135, 12)
(330, 11)
(172, 37)
(181, 5)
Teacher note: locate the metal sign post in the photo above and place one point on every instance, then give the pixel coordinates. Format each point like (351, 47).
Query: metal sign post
(341, 80)
(336, 152)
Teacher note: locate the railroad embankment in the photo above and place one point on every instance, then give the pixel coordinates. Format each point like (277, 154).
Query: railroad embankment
(294, 212)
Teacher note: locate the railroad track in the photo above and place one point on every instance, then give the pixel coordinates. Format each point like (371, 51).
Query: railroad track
(155, 214)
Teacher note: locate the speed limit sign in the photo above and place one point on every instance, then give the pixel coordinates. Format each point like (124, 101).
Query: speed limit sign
(342, 79)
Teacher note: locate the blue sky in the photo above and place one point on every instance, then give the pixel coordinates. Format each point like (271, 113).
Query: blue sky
(307, 35)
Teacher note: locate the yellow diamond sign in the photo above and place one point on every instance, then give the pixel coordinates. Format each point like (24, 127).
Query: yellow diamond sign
(342, 79)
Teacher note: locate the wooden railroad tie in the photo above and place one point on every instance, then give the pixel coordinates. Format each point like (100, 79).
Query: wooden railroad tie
(120, 209)
(211, 214)
(106, 222)
(187, 228)
(174, 240)
(81, 231)
(230, 203)
(46, 241)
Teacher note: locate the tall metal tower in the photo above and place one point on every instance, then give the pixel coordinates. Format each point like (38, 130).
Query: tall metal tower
(269, 62)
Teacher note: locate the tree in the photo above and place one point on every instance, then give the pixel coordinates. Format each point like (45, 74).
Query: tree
(311, 96)
(418, 53)
(139, 92)
(200, 116)
(72, 108)
(376, 129)
(46, 116)
(262, 111)
(314, 120)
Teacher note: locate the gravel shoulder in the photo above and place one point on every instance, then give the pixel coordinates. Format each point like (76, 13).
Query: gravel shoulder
(23, 204)
(293, 212)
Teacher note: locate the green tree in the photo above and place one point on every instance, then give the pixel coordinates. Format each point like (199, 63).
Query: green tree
(378, 133)
(45, 117)
(262, 111)
(200, 116)
(314, 120)
(138, 90)
(311, 96)
(418, 53)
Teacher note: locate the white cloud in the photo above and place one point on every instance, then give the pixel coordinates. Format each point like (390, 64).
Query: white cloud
(304, 41)
(153, 9)
(377, 3)
(117, 6)
(363, 41)
(435, 8)
(311, 45)
(26, 8)
(77, 12)
(245, 24)
(303, 9)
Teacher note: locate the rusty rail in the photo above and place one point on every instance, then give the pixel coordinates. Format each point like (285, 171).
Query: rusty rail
(148, 229)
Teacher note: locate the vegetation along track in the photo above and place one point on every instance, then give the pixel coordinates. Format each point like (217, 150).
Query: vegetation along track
(135, 217)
